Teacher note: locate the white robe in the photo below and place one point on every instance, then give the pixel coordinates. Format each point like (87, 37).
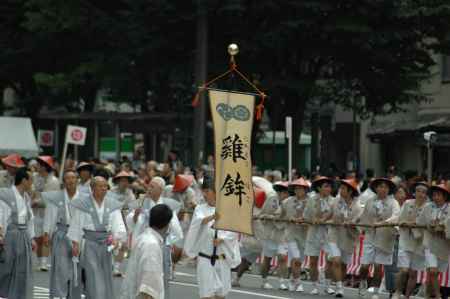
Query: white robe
(175, 231)
(51, 214)
(212, 280)
(23, 207)
(145, 268)
(83, 221)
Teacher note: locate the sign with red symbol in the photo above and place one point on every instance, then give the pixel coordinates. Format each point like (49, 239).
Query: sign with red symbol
(76, 135)
(45, 137)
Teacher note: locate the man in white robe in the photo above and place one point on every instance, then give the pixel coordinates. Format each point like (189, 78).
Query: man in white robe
(144, 278)
(96, 228)
(217, 251)
(16, 238)
(56, 224)
(125, 195)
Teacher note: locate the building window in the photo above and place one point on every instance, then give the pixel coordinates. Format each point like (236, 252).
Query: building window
(445, 68)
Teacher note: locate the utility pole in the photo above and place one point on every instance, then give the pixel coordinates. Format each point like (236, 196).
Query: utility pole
(201, 61)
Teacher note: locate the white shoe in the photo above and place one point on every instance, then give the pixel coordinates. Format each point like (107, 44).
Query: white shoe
(267, 286)
(362, 291)
(235, 283)
(43, 267)
(315, 291)
(329, 291)
(283, 287)
(299, 288)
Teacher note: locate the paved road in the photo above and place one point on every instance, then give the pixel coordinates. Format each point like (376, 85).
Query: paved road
(184, 286)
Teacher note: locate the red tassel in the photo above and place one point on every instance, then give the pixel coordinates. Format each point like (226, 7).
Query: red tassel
(260, 107)
(259, 111)
(196, 100)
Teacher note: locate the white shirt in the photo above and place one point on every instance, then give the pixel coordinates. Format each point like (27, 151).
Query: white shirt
(23, 208)
(51, 213)
(175, 232)
(145, 268)
(83, 221)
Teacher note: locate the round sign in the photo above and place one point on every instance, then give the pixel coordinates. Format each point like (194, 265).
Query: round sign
(77, 135)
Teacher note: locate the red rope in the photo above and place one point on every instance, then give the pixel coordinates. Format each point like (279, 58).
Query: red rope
(233, 68)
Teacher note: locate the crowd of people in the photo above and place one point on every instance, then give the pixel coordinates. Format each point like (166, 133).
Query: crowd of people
(83, 223)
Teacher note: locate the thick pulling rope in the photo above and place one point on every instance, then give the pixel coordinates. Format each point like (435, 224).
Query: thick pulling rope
(233, 69)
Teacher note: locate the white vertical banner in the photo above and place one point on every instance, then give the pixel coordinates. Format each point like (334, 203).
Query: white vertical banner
(232, 115)
(289, 137)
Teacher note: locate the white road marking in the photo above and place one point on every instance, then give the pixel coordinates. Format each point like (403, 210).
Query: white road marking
(233, 291)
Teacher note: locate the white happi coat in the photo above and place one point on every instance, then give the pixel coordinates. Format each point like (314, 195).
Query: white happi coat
(411, 240)
(145, 267)
(377, 210)
(212, 280)
(437, 242)
(344, 237)
(293, 208)
(42, 184)
(317, 207)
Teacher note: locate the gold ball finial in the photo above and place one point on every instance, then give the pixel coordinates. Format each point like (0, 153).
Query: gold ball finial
(233, 49)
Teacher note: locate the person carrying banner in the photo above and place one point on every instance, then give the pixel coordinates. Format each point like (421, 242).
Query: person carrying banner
(436, 239)
(56, 224)
(379, 241)
(292, 209)
(44, 180)
(318, 211)
(11, 164)
(96, 228)
(217, 251)
(346, 210)
(16, 238)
